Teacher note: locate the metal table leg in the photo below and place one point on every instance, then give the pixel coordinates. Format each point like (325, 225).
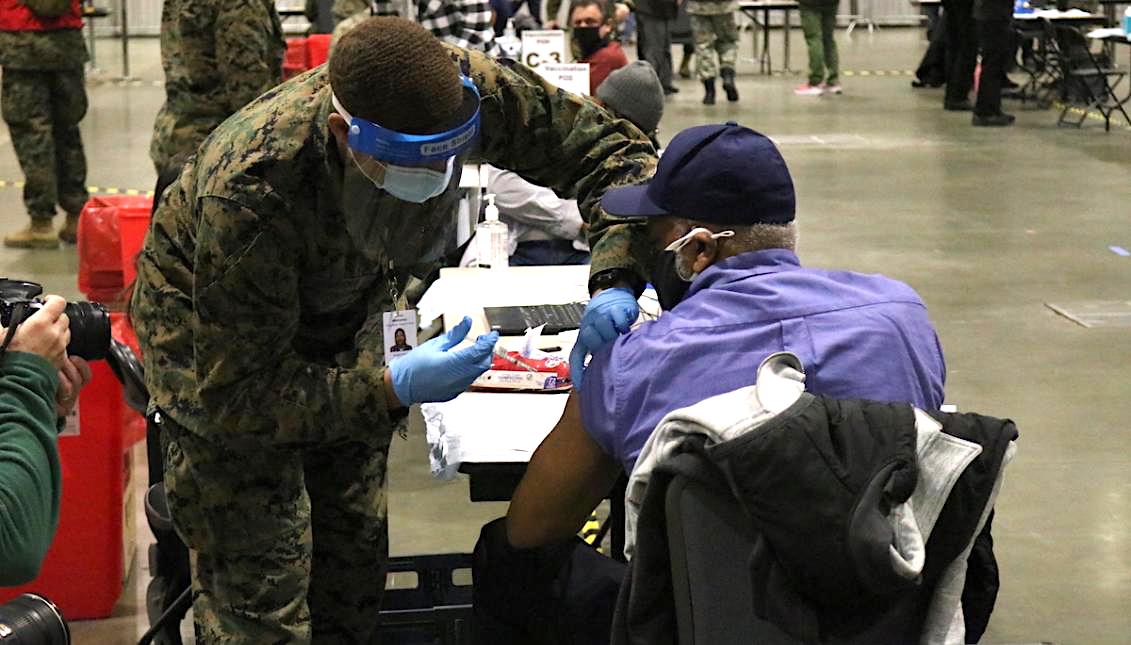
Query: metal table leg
(766, 64)
(787, 29)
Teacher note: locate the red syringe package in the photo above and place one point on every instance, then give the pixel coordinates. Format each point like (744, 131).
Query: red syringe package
(514, 371)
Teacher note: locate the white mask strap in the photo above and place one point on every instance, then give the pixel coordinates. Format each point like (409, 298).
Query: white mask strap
(683, 241)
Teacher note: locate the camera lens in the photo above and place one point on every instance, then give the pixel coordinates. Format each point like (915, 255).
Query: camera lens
(90, 330)
(33, 620)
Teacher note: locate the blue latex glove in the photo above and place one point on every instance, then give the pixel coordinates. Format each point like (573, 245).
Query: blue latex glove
(609, 314)
(433, 374)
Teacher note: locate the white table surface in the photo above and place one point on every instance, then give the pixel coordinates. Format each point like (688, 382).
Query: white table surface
(491, 427)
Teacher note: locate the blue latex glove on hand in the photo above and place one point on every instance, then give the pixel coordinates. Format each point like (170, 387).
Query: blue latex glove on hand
(609, 314)
(433, 374)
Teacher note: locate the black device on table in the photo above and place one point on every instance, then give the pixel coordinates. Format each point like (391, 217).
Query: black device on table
(514, 321)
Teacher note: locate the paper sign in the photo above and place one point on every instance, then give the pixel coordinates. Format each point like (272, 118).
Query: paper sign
(544, 47)
(571, 78)
(400, 333)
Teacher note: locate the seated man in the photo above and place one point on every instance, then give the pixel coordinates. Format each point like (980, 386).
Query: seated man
(593, 28)
(721, 206)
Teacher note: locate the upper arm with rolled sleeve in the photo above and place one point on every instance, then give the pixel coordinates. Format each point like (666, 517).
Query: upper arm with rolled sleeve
(599, 406)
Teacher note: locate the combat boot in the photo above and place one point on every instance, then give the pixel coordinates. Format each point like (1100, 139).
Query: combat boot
(709, 91)
(728, 85)
(69, 232)
(685, 67)
(40, 234)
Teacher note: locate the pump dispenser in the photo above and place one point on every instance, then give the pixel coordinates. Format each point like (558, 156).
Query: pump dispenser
(492, 237)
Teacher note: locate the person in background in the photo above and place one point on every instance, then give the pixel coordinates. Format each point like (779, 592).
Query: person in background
(341, 9)
(818, 22)
(43, 99)
(501, 12)
(217, 57)
(961, 54)
(39, 385)
(716, 45)
(994, 19)
(546, 229)
(535, 9)
(654, 39)
(592, 28)
(621, 12)
(467, 24)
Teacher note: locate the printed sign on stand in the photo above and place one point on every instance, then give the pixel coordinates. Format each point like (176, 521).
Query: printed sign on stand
(544, 47)
(571, 78)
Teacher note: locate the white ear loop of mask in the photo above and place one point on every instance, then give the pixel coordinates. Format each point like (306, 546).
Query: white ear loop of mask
(677, 245)
(683, 241)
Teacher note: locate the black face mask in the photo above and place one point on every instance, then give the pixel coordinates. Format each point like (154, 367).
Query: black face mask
(670, 288)
(588, 40)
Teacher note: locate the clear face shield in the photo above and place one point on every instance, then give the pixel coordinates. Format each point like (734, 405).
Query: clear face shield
(399, 191)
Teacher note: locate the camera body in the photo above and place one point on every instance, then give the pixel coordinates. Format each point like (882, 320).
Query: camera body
(89, 321)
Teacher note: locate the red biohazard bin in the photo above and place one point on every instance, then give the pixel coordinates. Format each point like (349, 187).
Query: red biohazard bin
(133, 225)
(317, 49)
(101, 276)
(294, 61)
(86, 565)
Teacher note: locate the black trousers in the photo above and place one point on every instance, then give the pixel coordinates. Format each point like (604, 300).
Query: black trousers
(559, 595)
(933, 68)
(961, 49)
(654, 44)
(995, 40)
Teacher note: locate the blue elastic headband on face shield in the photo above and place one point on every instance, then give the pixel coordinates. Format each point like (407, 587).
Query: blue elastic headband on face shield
(415, 149)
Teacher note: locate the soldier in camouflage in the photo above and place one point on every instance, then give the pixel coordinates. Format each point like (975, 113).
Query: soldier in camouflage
(716, 45)
(43, 100)
(259, 302)
(340, 9)
(218, 55)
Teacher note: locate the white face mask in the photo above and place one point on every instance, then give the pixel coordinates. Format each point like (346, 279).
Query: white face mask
(410, 183)
(417, 184)
(678, 244)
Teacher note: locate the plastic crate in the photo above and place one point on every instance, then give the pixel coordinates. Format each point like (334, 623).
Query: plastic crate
(294, 61)
(436, 610)
(317, 49)
(101, 276)
(133, 225)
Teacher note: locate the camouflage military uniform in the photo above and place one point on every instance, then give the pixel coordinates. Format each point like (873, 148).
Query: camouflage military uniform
(43, 100)
(716, 34)
(218, 55)
(258, 306)
(341, 9)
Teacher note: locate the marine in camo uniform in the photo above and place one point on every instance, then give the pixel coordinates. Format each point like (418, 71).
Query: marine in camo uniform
(340, 9)
(43, 100)
(716, 45)
(258, 306)
(218, 55)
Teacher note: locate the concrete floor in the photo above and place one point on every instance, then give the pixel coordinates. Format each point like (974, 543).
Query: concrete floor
(987, 224)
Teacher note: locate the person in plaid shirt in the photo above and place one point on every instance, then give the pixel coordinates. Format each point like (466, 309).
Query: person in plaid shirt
(463, 23)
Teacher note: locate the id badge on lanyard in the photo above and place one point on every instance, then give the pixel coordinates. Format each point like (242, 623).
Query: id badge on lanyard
(400, 325)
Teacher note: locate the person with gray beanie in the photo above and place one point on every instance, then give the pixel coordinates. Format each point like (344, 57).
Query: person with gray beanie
(544, 228)
(634, 93)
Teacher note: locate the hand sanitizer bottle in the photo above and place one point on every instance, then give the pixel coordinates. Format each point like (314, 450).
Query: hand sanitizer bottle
(492, 237)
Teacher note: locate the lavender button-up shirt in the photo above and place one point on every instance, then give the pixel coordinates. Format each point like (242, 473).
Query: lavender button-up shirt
(858, 336)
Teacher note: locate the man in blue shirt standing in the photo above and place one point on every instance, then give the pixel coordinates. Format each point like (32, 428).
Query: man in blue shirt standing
(721, 206)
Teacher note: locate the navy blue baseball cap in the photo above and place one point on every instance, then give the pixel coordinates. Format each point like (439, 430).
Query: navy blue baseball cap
(720, 174)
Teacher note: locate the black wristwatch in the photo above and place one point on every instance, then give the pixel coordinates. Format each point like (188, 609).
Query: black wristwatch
(613, 277)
